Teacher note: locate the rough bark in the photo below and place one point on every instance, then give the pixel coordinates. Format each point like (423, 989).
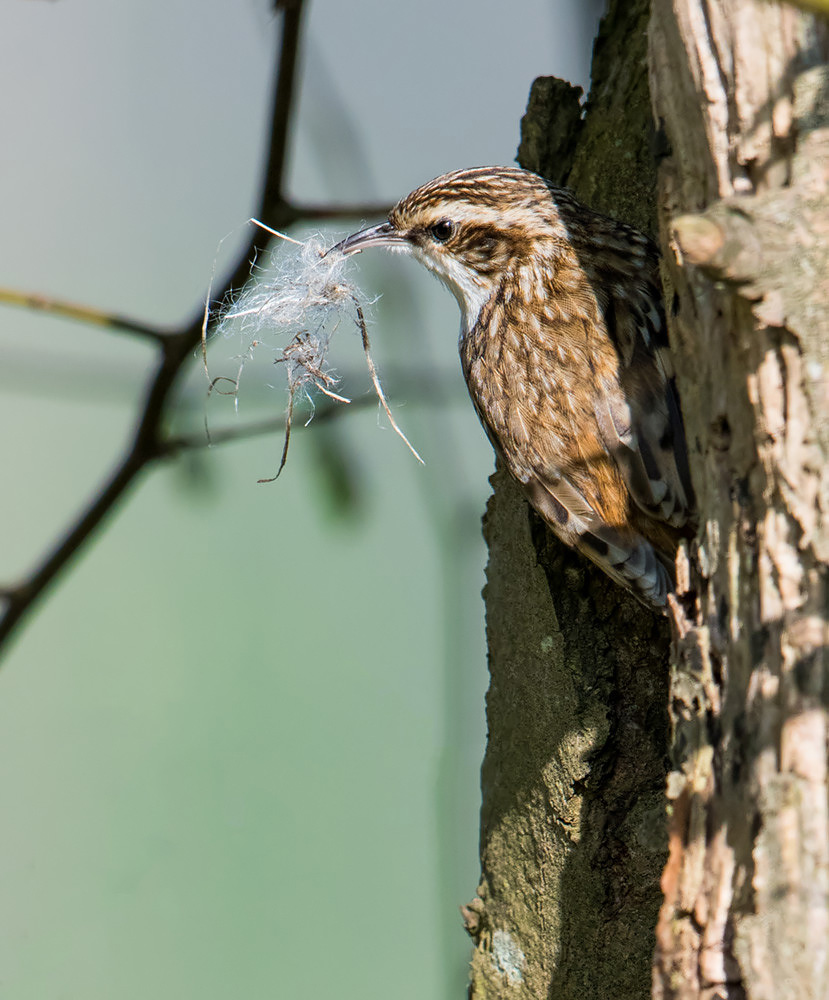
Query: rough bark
(573, 831)
(740, 90)
(575, 772)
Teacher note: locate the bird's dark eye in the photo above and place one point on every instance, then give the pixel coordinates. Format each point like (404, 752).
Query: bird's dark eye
(441, 230)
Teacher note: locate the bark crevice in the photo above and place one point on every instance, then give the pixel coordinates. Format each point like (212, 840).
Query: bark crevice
(590, 718)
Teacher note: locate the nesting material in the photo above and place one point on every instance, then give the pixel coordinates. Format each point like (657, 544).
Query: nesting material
(293, 306)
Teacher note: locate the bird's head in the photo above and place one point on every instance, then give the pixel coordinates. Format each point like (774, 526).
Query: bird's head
(471, 228)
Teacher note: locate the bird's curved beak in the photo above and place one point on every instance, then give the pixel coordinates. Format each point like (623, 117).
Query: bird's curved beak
(384, 235)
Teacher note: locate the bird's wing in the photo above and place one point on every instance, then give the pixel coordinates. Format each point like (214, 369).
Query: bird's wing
(630, 559)
(638, 416)
(638, 413)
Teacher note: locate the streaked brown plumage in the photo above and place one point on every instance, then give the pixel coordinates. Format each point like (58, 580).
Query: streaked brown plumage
(564, 351)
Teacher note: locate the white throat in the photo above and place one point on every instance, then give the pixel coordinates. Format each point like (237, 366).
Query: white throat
(471, 292)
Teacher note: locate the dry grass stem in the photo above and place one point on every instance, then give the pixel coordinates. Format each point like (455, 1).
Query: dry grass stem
(372, 370)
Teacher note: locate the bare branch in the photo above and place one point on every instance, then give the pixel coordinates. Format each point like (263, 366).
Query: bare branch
(426, 387)
(275, 209)
(123, 324)
(369, 211)
(176, 348)
(85, 314)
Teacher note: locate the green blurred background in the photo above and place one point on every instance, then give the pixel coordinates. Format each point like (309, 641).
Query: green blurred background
(240, 741)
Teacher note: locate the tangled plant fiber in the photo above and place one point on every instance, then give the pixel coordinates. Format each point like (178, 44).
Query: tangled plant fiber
(297, 300)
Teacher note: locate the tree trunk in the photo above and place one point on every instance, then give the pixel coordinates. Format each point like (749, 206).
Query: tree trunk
(742, 94)
(584, 707)
(573, 837)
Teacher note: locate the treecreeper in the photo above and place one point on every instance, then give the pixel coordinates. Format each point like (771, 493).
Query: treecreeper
(564, 348)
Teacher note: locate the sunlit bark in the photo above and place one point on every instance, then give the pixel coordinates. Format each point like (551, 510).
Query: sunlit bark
(596, 730)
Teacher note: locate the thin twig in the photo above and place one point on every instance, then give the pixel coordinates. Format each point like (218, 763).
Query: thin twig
(290, 211)
(86, 314)
(274, 207)
(323, 413)
(427, 387)
(369, 211)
